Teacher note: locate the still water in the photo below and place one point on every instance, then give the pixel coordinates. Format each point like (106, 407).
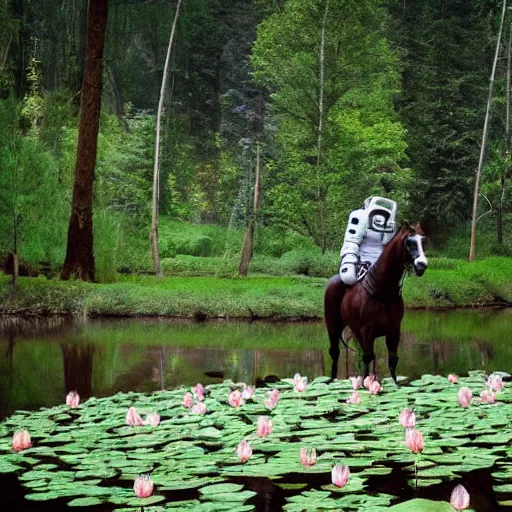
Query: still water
(41, 360)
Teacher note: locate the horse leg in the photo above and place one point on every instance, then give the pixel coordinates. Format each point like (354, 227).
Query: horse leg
(333, 297)
(392, 341)
(368, 353)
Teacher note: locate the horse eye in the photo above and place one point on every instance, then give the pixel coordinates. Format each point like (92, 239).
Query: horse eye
(411, 243)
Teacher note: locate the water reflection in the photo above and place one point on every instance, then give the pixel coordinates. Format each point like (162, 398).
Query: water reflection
(43, 359)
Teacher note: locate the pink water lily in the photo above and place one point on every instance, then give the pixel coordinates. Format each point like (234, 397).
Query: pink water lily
(198, 408)
(272, 399)
(354, 398)
(188, 399)
(414, 440)
(21, 441)
(264, 426)
(459, 498)
(357, 382)
(494, 382)
(72, 399)
(375, 387)
(487, 397)
(247, 392)
(133, 418)
(340, 475)
(453, 378)
(367, 382)
(235, 399)
(143, 486)
(198, 391)
(407, 418)
(465, 396)
(308, 456)
(299, 383)
(153, 419)
(244, 451)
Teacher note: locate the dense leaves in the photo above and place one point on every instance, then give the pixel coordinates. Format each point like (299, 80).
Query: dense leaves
(89, 452)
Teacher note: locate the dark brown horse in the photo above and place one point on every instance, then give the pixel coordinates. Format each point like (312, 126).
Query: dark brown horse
(374, 306)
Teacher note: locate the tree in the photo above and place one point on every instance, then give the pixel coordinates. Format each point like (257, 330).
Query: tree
(247, 248)
(446, 57)
(472, 248)
(79, 254)
(156, 172)
(332, 77)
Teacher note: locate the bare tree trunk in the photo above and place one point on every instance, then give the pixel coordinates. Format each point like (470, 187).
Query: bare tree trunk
(6, 54)
(247, 249)
(118, 96)
(321, 116)
(156, 170)
(472, 249)
(321, 86)
(79, 254)
(15, 260)
(504, 172)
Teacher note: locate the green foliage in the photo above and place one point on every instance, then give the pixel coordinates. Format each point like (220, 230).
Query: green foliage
(314, 186)
(8, 36)
(446, 54)
(31, 189)
(198, 239)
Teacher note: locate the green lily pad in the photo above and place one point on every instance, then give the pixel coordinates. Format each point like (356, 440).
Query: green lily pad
(421, 505)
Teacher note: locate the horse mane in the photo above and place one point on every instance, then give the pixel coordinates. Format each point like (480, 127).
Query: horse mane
(383, 279)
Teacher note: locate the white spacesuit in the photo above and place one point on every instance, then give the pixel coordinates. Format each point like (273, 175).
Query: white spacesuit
(369, 229)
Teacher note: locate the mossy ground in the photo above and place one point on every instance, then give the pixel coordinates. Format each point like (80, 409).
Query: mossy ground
(446, 284)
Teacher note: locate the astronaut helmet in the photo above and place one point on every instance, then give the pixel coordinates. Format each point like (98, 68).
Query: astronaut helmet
(381, 214)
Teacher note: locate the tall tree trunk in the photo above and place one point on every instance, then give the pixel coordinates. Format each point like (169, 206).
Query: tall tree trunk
(504, 172)
(79, 255)
(118, 95)
(15, 260)
(321, 86)
(472, 248)
(321, 116)
(3, 59)
(247, 248)
(156, 170)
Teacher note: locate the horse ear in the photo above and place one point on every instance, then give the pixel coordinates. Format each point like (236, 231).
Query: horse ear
(406, 225)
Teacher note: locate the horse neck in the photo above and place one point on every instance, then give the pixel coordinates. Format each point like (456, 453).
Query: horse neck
(389, 268)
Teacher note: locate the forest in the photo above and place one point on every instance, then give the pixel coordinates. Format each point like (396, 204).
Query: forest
(327, 101)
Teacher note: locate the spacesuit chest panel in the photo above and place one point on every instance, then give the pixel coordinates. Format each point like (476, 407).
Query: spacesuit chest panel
(371, 247)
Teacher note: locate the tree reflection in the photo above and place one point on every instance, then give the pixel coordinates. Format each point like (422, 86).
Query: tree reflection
(78, 367)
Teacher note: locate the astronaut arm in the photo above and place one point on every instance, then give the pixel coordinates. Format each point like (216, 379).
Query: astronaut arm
(355, 232)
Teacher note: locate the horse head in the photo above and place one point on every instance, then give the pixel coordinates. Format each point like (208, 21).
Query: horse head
(414, 239)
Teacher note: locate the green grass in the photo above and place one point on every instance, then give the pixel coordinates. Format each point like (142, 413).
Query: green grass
(454, 283)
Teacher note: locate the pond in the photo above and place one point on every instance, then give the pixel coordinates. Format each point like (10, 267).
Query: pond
(41, 360)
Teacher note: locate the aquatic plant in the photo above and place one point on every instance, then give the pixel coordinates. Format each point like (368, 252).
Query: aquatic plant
(307, 456)
(299, 383)
(21, 441)
(340, 475)
(244, 451)
(459, 498)
(89, 455)
(407, 418)
(465, 395)
(357, 382)
(72, 399)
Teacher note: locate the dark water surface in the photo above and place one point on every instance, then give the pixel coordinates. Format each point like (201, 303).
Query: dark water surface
(41, 360)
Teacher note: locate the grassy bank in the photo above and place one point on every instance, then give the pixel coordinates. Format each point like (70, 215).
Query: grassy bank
(447, 284)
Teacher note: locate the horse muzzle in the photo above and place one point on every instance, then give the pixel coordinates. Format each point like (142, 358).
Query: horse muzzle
(420, 267)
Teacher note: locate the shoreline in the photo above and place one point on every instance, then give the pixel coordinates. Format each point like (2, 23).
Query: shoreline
(266, 298)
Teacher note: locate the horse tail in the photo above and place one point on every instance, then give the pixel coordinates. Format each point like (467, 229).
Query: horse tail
(334, 294)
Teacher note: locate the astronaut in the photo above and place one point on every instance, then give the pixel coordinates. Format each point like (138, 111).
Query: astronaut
(369, 229)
